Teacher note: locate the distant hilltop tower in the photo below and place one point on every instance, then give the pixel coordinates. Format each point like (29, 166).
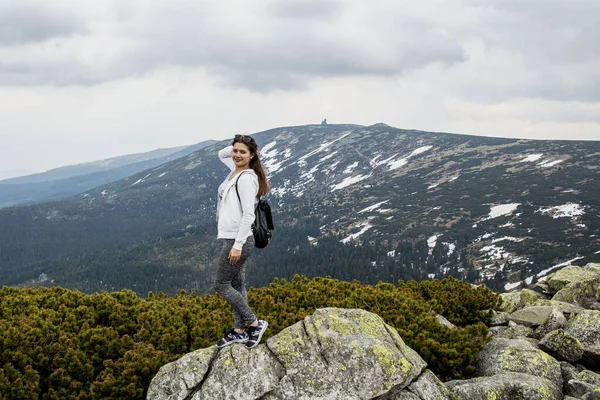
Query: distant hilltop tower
(324, 122)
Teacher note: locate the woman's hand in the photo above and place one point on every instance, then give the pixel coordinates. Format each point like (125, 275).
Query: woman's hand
(234, 256)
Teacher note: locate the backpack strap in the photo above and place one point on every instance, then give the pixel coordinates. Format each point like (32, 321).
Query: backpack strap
(236, 189)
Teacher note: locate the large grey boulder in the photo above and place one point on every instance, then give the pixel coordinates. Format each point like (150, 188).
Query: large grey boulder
(585, 327)
(517, 300)
(579, 285)
(332, 354)
(425, 387)
(578, 388)
(339, 353)
(569, 275)
(517, 355)
(510, 386)
(532, 316)
(556, 320)
(514, 331)
(429, 387)
(561, 345)
(234, 374)
(499, 318)
(177, 379)
(589, 377)
(594, 395)
(564, 307)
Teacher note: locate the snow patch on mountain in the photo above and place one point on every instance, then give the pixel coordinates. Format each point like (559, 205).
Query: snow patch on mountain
(547, 164)
(510, 238)
(502, 209)
(323, 146)
(349, 181)
(264, 151)
(564, 211)
(365, 228)
(532, 157)
(373, 207)
(350, 168)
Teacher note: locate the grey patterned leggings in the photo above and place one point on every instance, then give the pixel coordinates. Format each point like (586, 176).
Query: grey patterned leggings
(230, 282)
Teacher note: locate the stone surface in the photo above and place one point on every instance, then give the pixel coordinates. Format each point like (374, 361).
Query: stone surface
(510, 386)
(589, 377)
(401, 395)
(429, 387)
(516, 331)
(497, 330)
(175, 380)
(338, 353)
(517, 355)
(517, 300)
(556, 320)
(331, 354)
(564, 307)
(233, 374)
(568, 275)
(443, 321)
(585, 327)
(569, 372)
(561, 345)
(577, 388)
(594, 395)
(582, 286)
(499, 318)
(532, 316)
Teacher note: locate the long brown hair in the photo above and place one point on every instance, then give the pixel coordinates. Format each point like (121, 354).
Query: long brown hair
(255, 164)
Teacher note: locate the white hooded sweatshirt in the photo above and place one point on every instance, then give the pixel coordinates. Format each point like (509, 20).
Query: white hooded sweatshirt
(235, 220)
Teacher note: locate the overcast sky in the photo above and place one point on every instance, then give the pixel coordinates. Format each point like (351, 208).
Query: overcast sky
(87, 80)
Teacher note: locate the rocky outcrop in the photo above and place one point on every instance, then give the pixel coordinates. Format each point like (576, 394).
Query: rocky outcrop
(542, 346)
(332, 354)
(505, 387)
(566, 321)
(585, 327)
(579, 285)
(502, 356)
(562, 345)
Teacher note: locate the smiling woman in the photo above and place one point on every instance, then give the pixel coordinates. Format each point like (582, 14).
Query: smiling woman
(235, 214)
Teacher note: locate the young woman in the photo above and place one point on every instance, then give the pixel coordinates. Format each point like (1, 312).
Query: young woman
(235, 216)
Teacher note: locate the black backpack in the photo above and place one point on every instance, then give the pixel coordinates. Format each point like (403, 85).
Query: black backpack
(263, 220)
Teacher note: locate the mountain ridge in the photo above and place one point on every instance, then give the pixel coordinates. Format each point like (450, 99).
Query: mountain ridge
(62, 182)
(390, 203)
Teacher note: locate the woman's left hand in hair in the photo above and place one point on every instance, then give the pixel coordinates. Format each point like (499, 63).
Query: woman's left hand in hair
(234, 256)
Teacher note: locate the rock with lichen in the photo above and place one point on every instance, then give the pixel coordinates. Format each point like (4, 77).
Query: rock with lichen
(585, 327)
(579, 285)
(517, 300)
(561, 345)
(556, 320)
(514, 331)
(566, 308)
(571, 274)
(331, 354)
(517, 355)
(505, 386)
(532, 316)
(429, 387)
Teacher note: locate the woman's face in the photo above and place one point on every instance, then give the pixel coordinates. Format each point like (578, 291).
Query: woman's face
(241, 155)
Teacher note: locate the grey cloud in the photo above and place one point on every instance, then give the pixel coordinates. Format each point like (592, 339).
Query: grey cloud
(306, 9)
(26, 22)
(548, 49)
(268, 55)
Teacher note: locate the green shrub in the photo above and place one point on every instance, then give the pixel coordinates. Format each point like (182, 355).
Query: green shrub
(63, 344)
